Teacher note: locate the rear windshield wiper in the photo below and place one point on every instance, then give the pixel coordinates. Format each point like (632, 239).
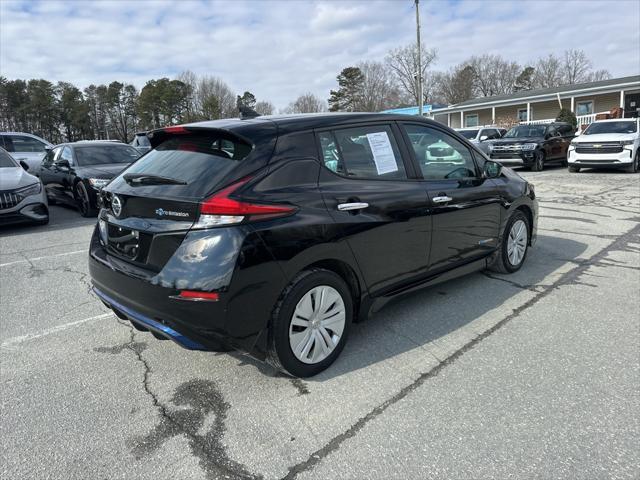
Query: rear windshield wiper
(146, 179)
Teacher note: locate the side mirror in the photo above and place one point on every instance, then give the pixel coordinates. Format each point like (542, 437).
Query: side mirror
(63, 164)
(47, 148)
(492, 169)
(24, 165)
(484, 137)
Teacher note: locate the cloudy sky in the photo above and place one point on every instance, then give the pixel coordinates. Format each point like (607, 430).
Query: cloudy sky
(279, 49)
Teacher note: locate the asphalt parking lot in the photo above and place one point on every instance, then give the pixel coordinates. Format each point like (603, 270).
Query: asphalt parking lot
(536, 374)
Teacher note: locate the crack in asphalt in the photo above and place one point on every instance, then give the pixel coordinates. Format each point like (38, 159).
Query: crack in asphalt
(574, 219)
(301, 386)
(266, 369)
(36, 272)
(532, 288)
(571, 277)
(204, 398)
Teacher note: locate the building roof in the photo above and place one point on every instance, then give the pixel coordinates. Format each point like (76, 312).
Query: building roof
(540, 93)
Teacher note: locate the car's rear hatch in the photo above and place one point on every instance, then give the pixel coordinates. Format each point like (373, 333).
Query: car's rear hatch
(149, 208)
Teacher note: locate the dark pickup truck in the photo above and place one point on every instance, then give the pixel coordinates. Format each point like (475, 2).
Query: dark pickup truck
(533, 146)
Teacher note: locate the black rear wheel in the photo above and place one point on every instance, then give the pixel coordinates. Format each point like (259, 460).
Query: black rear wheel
(84, 201)
(574, 169)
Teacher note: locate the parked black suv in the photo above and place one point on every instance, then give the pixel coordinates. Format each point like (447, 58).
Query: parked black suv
(270, 235)
(533, 146)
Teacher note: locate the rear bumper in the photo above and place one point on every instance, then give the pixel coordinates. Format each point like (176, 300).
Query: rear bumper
(160, 328)
(230, 261)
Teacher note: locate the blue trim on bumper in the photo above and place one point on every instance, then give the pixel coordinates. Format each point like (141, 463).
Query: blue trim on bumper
(150, 323)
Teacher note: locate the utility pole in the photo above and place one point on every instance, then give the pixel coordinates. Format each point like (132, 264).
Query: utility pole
(419, 75)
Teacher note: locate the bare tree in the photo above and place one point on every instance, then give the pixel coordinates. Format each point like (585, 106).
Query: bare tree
(493, 75)
(306, 103)
(265, 108)
(378, 89)
(598, 75)
(403, 61)
(215, 99)
(456, 85)
(209, 97)
(191, 80)
(575, 67)
(548, 72)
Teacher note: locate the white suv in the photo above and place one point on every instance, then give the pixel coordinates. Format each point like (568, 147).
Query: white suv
(613, 143)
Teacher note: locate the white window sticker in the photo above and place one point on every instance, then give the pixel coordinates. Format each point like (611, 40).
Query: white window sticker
(382, 152)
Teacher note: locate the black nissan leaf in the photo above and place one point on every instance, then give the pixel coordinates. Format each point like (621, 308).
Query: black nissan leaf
(272, 235)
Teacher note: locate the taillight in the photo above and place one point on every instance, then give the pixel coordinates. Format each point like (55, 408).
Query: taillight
(177, 129)
(221, 209)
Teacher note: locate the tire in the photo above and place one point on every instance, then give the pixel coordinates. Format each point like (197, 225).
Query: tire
(310, 332)
(538, 161)
(574, 169)
(83, 200)
(503, 262)
(634, 167)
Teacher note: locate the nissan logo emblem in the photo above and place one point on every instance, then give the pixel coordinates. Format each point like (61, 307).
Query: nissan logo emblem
(116, 205)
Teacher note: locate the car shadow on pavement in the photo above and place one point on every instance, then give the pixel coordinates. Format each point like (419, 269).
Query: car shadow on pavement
(60, 218)
(423, 319)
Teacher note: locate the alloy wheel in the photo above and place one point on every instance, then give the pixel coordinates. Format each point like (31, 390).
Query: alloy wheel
(317, 324)
(517, 243)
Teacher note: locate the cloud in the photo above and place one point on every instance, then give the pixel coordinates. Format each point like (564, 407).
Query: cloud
(280, 49)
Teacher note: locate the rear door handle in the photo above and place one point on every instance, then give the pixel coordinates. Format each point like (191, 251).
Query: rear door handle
(345, 207)
(441, 199)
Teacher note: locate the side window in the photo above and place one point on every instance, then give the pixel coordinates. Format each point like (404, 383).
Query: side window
(565, 130)
(491, 133)
(24, 144)
(8, 143)
(363, 152)
(65, 155)
(552, 132)
(439, 155)
(50, 156)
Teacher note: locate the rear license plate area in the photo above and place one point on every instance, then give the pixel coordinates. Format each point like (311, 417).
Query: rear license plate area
(128, 243)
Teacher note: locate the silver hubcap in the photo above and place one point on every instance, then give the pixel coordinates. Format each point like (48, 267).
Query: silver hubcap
(517, 243)
(317, 324)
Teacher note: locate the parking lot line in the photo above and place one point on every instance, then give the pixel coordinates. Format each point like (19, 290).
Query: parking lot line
(42, 258)
(49, 331)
